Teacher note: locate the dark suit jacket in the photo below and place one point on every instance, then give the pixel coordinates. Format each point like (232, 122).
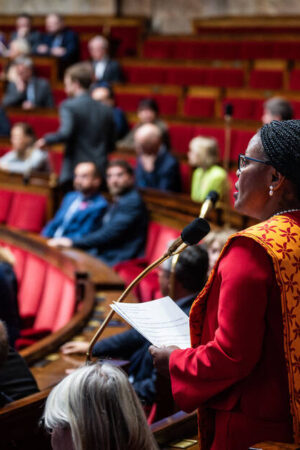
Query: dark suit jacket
(122, 235)
(9, 311)
(4, 123)
(70, 42)
(88, 130)
(33, 39)
(112, 72)
(165, 176)
(16, 380)
(42, 94)
(83, 220)
(133, 346)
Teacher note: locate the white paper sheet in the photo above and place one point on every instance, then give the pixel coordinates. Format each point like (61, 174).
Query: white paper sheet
(160, 321)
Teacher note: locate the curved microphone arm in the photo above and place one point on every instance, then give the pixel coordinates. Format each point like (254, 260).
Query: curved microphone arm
(170, 252)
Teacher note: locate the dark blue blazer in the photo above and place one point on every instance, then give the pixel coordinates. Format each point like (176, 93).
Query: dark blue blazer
(4, 123)
(112, 73)
(132, 346)
(70, 42)
(83, 221)
(123, 232)
(165, 176)
(9, 311)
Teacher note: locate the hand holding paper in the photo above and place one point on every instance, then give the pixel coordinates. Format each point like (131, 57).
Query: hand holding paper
(160, 321)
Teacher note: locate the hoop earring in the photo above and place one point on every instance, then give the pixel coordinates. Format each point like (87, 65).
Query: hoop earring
(271, 191)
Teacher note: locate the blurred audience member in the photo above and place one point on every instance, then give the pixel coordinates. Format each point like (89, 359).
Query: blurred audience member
(214, 242)
(105, 69)
(81, 211)
(24, 157)
(277, 108)
(95, 407)
(86, 126)
(24, 31)
(208, 176)
(182, 283)
(147, 112)
(27, 90)
(9, 311)
(156, 167)
(16, 380)
(122, 234)
(104, 93)
(17, 48)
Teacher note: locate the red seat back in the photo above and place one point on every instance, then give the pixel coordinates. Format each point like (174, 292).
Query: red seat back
(28, 212)
(6, 198)
(32, 285)
(67, 305)
(164, 236)
(51, 299)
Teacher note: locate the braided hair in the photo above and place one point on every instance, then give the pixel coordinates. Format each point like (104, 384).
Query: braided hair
(281, 144)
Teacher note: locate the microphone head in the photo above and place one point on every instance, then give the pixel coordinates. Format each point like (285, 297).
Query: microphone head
(195, 231)
(213, 196)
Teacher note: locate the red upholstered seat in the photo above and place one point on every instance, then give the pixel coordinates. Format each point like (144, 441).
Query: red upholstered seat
(185, 174)
(32, 286)
(6, 198)
(51, 299)
(239, 142)
(185, 76)
(158, 49)
(56, 160)
(66, 306)
(20, 257)
(246, 108)
(257, 49)
(266, 79)
(296, 108)
(41, 124)
(199, 107)
(27, 212)
(181, 135)
(295, 79)
(145, 74)
(223, 77)
(59, 96)
(158, 238)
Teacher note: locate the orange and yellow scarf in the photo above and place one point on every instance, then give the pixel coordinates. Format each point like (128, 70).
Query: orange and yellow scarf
(280, 237)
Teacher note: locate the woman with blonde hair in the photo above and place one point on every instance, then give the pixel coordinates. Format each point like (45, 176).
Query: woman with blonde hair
(208, 176)
(95, 407)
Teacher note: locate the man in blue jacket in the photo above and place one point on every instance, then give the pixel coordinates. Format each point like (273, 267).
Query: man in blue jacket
(122, 234)
(82, 210)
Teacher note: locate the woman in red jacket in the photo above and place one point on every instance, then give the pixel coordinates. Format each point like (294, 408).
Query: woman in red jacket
(242, 371)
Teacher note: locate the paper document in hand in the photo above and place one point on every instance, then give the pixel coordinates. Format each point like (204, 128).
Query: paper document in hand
(160, 321)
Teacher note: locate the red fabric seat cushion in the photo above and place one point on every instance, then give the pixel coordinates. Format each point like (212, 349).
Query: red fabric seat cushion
(30, 293)
(223, 77)
(266, 79)
(40, 124)
(246, 108)
(181, 135)
(167, 103)
(56, 160)
(28, 212)
(145, 75)
(66, 306)
(295, 79)
(186, 176)
(6, 198)
(239, 142)
(199, 107)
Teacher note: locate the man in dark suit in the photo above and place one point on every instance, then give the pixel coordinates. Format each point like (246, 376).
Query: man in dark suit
(58, 40)
(86, 126)
(82, 210)
(105, 69)
(122, 234)
(24, 31)
(156, 167)
(187, 281)
(27, 91)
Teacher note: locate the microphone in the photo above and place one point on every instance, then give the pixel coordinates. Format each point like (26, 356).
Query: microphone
(210, 201)
(191, 235)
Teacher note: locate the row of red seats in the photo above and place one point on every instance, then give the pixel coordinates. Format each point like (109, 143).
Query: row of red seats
(48, 303)
(22, 210)
(166, 48)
